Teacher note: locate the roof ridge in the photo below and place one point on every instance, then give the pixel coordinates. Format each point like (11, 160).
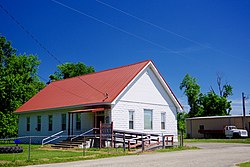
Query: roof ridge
(114, 68)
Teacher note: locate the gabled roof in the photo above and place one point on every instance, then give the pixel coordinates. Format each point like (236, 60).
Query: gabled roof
(90, 89)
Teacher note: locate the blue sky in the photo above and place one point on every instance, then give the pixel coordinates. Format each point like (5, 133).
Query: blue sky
(201, 38)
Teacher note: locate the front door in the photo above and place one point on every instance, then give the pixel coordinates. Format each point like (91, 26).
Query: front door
(98, 120)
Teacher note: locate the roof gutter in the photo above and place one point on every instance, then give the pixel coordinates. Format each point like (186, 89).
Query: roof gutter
(66, 108)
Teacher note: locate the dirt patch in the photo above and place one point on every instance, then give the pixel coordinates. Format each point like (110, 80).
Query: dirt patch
(3, 162)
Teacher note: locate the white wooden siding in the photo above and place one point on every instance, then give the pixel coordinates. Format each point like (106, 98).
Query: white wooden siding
(145, 93)
(87, 121)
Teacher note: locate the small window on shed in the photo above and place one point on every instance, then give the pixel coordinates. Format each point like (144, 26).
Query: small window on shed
(201, 127)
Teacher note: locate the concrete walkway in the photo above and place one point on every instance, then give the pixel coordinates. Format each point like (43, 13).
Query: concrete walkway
(211, 155)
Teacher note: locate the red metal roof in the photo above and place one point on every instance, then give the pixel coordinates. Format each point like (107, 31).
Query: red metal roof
(83, 90)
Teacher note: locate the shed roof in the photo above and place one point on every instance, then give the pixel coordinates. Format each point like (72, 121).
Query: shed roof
(216, 117)
(90, 89)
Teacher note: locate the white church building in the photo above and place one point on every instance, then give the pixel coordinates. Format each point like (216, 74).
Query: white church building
(134, 97)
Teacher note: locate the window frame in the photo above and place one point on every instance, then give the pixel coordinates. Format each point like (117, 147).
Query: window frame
(28, 123)
(201, 127)
(50, 122)
(131, 122)
(163, 120)
(39, 123)
(150, 120)
(63, 121)
(78, 121)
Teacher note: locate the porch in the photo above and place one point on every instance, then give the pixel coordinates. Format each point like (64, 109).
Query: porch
(78, 123)
(107, 136)
(101, 133)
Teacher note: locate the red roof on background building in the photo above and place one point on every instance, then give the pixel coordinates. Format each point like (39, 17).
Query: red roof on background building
(94, 88)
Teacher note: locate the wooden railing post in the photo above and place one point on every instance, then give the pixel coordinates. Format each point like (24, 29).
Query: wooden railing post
(112, 135)
(163, 141)
(142, 144)
(114, 140)
(124, 147)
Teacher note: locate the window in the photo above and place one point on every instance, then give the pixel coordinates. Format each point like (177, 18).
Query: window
(78, 121)
(50, 121)
(28, 124)
(63, 121)
(201, 127)
(131, 119)
(163, 120)
(148, 120)
(38, 128)
(107, 119)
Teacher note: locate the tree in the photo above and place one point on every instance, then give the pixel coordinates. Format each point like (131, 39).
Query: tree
(214, 104)
(225, 90)
(18, 83)
(68, 70)
(217, 104)
(209, 104)
(181, 116)
(192, 91)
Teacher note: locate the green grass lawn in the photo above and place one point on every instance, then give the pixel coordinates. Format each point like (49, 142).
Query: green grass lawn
(45, 155)
(41, 155)
(177, 149)
(245, 164)
(243, 140)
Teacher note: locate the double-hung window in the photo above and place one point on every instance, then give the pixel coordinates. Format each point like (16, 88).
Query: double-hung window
(63, 121)
(39, 122)
(50, 121)
(163, 120)
(78, 121)
(148, 119)
(201, 127)
(28, 124)
(131, 119)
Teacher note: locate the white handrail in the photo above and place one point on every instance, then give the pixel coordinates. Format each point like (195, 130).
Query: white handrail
(51, 137)
(81, 134)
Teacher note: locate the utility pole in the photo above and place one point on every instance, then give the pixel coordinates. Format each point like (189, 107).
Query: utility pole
(244, 110)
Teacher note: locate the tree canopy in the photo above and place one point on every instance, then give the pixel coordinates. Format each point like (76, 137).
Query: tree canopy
(209, 104)
(18, 83)
(181, 116)
(68, 70)
(192, 91)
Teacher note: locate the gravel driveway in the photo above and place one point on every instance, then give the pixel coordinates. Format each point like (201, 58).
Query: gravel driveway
(211, 155)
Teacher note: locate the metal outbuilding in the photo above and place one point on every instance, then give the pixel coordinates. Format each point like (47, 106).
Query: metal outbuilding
(214, 124)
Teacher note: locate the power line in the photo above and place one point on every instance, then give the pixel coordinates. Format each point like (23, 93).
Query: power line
(120, 29)
(67, 91)
(30, 34)
(104, 94)
(166, 30)
(150, 23)
(44, 48)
